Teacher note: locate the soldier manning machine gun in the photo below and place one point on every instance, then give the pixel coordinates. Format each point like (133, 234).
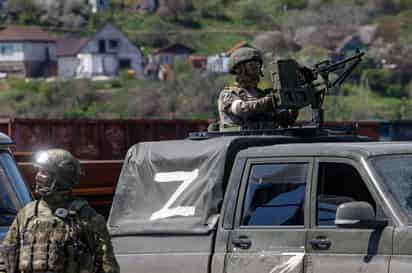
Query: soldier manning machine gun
(300, 86)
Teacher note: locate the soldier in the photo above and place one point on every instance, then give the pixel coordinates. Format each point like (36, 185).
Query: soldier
(58, 233)
(244, 106)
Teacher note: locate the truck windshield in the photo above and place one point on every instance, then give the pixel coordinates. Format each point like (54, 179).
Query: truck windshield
(396, 173)
(13, 190)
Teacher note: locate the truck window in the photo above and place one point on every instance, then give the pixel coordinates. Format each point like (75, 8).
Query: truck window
(8, 200)
(275, 195)
(338, 183)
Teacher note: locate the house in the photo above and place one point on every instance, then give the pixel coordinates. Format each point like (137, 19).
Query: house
(219, 63)
(27, 52)
(172, 54)
(236, 47)
(367, 33)
(349, 44)
(198, 62)
(98, 5)
(105, 53)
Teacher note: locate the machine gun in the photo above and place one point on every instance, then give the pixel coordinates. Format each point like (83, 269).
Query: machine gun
(300, 86)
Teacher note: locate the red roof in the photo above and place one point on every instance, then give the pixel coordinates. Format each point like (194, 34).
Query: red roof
(70, 46)
(237, 46)
(25, 34)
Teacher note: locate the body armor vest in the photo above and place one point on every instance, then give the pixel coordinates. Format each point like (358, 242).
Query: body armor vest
(58, 242)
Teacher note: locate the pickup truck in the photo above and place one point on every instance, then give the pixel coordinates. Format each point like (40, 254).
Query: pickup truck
(284, 203)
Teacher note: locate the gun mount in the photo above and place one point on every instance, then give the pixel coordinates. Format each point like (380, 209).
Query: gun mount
(300, 86)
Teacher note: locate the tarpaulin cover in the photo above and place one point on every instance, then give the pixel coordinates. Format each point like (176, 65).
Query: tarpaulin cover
(174, 186)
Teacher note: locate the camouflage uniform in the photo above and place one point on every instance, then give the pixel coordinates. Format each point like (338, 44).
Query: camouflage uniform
(242, 109)
(58, 233)
(244, 106)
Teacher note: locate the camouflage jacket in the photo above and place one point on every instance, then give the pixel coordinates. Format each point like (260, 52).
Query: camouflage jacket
(75, 240)
(242, 109)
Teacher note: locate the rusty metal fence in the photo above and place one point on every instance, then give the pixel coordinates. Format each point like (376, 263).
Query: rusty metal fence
(93, 139)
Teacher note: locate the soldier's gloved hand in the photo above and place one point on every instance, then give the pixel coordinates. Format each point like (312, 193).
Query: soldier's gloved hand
(287, 118)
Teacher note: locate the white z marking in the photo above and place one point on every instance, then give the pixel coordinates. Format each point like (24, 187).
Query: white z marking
(167, 211)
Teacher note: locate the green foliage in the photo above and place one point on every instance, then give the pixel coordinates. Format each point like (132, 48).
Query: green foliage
(23, 11)
(25, 85)
(293, 4)
(253, 12)
(47, 91)
(384, 82)
(212, 9)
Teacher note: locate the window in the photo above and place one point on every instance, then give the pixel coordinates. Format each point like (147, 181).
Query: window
(8, 200)
(6, 50)
(102, 46)
(125, 64)
(114, 44)
(275, 195)
(338, 183)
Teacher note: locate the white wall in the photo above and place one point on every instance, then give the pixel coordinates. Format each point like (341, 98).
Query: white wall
(96, 64)
(37, 51)
(125, 50)
(67, 67)
(170, 58)
(99, 5)
(11, 52)
(218, 64)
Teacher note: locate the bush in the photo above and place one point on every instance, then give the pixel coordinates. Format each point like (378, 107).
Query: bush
(254, 13)
(293, 4)
(384, 82)
(25, 85)
(212, 9)
(47, 90)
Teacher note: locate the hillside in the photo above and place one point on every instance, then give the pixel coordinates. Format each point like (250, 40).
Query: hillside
(308, 30)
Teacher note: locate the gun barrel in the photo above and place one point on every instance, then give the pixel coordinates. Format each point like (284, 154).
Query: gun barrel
(339, 65)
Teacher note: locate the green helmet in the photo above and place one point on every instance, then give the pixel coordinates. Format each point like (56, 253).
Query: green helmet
(58, 171)
(242, 55)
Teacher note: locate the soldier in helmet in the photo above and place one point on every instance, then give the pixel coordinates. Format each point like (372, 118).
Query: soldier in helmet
(58, 233)
(244, 106)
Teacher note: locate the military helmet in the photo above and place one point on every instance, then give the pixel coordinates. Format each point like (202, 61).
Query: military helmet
(242, 55)
(63, 171)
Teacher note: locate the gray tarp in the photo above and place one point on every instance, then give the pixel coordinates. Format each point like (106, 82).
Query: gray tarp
(173, 186)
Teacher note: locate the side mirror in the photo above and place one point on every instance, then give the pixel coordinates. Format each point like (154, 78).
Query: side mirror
(357, 215)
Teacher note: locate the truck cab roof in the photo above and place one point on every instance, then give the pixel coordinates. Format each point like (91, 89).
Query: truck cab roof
(5, 139)
(344, 149)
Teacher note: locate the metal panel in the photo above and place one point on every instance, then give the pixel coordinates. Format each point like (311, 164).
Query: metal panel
(178, 254)
(369, 129)
(272, 249)
(350, 250)
(94, 139)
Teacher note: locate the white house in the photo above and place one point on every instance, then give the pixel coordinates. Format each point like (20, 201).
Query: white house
(218, 63)
(27, 52)
(172, 54)
(98, 5)
(106, 53)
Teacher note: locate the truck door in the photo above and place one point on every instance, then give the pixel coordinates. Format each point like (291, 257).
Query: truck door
(344, 250)
(270, 224)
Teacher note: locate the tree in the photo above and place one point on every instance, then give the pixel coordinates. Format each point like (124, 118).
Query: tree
(385, 6)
